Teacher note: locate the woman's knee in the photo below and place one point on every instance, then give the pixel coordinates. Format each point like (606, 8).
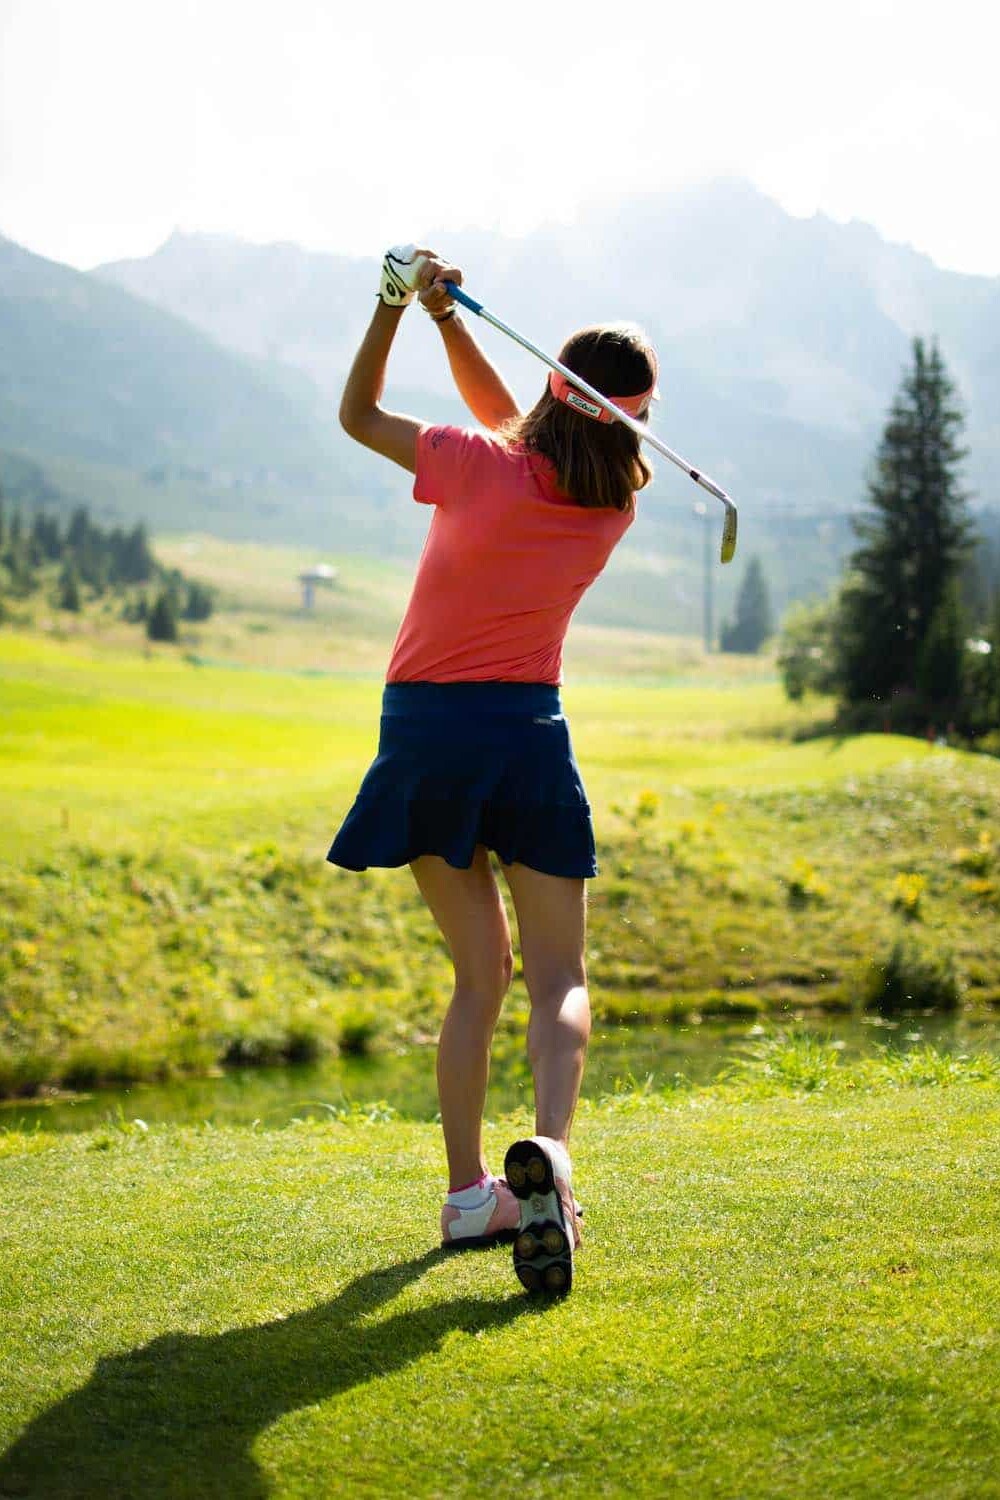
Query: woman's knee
(551, 986)
(487, 973)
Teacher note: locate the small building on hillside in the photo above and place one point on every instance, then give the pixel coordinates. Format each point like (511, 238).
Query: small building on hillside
(319, 576)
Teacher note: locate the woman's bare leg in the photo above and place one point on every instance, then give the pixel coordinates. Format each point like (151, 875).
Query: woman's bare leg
(468, 909)
(552, 922)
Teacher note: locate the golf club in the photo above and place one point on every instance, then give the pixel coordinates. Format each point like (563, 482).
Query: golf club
(639, 428)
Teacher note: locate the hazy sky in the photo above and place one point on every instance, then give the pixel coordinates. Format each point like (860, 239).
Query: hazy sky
(120, 119)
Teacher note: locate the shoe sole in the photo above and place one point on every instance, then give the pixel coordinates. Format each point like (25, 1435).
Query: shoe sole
(543, 1245)
(481, 1241)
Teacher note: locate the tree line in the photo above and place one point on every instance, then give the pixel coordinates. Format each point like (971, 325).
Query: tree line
(910, 638)
(82, 560)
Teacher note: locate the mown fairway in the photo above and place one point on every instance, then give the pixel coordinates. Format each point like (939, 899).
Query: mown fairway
(166, 902)
(788, 1289)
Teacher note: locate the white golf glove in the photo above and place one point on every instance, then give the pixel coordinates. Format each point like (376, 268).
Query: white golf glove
(401, 275)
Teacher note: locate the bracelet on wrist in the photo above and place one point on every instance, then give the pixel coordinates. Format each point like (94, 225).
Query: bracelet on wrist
(445, 317)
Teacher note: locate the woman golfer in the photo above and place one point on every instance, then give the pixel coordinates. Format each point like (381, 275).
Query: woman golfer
(474, 752)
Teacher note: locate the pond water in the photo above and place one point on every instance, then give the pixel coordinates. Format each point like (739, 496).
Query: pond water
(618, 1056)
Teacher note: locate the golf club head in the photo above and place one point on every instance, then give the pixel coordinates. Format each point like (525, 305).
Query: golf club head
(729, 533)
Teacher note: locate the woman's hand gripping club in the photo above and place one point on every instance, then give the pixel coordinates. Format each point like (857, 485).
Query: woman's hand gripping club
(410, 269)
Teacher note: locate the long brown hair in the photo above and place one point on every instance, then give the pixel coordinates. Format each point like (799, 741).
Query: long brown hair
(597, 464)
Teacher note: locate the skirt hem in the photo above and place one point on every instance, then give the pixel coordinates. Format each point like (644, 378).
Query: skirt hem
(343, 863)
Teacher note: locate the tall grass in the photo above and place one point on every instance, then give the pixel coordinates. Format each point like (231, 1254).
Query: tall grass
(165, 905)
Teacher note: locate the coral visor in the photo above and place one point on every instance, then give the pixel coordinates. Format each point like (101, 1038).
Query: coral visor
(632, 406)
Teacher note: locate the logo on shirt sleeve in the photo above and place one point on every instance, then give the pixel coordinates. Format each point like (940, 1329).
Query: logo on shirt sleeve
(441, 435)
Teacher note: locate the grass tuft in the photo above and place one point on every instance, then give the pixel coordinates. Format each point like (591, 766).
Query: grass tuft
(914, 975)
(786, 1061)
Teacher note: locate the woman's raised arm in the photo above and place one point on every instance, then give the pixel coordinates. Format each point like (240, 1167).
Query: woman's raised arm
(361, 416)
(480, 384)
(405, 269)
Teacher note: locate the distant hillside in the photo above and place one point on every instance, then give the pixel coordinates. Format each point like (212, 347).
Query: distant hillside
(274, 302)
(110, 401)
(782, 339)
(90, 372)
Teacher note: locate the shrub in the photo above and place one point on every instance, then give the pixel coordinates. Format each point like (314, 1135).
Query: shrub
(807, 656)
(804, 885)
(988, 744)
(257, 1046)
(978, 859)
(303, 1043)
(914, 976)
(907, 891)
(715, 1003)
(358, 1029)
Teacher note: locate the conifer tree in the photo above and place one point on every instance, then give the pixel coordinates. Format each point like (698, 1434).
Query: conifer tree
(199, 604)
(752, 623)
(79, 527)
(69, 588)
(162, 622)
(913, 538)
(136, 564)
(939, 664)
(993, 699)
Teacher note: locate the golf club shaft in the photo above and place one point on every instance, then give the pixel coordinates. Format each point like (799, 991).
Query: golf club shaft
(639, 428)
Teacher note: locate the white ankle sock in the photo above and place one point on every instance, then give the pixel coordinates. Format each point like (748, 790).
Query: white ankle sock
(474, 1195)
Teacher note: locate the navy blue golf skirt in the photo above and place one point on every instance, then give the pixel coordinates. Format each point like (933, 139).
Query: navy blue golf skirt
(467, 763)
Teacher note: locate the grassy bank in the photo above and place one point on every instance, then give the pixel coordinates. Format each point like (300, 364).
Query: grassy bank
(164, 902)
(787, 1289)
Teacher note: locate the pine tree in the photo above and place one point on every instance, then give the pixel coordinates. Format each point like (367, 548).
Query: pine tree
(69, 589)
(79, 527)
(752, 623)
(981, 678)
(49, 538)
(994, 659)
(942, 652)
(913, 538)
(162, 622)
(135, 564)
(199, 603)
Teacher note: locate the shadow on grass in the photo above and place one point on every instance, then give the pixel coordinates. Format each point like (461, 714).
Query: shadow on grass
(179, 1416)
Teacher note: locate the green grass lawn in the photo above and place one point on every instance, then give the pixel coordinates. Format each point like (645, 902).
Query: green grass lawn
(165, 904)
(789, 1288)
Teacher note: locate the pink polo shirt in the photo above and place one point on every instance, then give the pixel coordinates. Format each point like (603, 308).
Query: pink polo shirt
(506, 561)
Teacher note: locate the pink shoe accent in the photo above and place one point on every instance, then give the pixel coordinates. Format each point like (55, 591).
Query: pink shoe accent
(465, 1186)
(571, 1209)
(497, 1218)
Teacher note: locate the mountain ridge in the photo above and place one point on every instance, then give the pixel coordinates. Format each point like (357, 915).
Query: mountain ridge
(796, 329)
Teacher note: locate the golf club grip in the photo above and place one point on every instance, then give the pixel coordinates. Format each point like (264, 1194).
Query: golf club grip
(454, 290)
